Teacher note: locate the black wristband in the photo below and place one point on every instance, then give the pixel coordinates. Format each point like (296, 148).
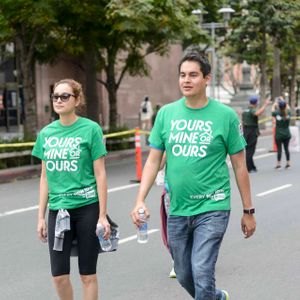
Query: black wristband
(249, 211)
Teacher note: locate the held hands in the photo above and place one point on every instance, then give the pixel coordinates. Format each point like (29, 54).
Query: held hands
(248, 225)
(42, 230)
(135, 215)
(105, 224)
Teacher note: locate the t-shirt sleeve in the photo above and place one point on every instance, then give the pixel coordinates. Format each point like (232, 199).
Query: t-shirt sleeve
(155, 138)
(38, 150)
(98, 148)
(235, 139)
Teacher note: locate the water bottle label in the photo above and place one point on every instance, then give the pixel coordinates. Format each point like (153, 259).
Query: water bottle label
(144, 226)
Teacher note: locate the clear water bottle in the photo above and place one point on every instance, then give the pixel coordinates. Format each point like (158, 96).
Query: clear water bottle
(105, 244)
(142, 232)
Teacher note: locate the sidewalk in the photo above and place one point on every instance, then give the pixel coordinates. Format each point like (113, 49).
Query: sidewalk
(25, 172)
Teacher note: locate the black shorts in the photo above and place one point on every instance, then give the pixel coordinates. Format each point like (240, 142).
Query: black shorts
(83, 221)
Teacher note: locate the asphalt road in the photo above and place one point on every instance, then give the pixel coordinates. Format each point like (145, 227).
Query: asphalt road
(264, 267)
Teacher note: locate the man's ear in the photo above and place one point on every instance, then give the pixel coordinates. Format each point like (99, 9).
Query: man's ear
(207, 78)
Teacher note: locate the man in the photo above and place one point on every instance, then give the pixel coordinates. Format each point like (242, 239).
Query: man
(250, 128)
(197, 133)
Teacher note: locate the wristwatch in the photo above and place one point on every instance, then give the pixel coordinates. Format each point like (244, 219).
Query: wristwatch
(249, 211)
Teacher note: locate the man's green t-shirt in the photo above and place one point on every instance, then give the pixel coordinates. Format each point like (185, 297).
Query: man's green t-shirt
(282, 125)
(68, 153)
(249, 118)
(197, 142)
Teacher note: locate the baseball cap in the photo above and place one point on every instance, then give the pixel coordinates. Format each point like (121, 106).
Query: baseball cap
(282, 104)
(253, 99)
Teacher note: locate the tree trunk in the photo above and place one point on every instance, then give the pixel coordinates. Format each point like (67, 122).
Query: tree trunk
(293, 82)
(276, 82)
(112, 92)
(92, 100)
(263, 69)
(28, 81)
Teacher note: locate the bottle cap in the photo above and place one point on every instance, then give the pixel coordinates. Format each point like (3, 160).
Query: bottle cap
(141, 211)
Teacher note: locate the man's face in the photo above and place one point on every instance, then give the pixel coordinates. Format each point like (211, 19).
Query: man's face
(191, 80)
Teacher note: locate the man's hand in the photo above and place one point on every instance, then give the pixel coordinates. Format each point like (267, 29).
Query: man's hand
(135, 214)
(248, 225)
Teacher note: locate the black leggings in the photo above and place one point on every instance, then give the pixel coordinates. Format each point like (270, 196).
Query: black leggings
(285, 143)
(83, 225)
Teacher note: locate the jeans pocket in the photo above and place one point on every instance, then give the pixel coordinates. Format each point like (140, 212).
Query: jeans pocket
(217, 222)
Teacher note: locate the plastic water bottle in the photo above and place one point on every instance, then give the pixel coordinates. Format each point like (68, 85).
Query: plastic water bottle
(105, 244)
(142, 232)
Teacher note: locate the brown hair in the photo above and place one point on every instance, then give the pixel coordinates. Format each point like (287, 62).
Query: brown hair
(77, 91)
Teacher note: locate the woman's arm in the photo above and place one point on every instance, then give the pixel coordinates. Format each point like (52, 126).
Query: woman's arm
(43, 200)
(100, 175)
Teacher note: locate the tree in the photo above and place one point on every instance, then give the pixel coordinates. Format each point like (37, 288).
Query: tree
(260, 28)
(123, 33)
(28, 24)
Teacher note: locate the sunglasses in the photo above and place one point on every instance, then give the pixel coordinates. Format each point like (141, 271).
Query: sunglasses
(64, 97)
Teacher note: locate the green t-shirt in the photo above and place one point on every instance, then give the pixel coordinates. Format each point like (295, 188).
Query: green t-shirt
(68, 153)
(282, 125)
(249, 118)
(197, 142)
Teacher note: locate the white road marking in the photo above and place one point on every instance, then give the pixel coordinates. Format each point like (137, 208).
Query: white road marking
(274, 190)
(264, 155)
(21, 210)
(134, 237)
(260, 150)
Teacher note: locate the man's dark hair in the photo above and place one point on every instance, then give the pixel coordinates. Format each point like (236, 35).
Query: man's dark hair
(199, 58)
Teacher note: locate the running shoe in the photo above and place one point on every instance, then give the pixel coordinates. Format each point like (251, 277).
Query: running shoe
(172, 273)
(225, 295)
(277, 167)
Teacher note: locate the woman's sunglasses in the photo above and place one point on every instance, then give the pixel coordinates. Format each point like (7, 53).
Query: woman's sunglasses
(64, 97)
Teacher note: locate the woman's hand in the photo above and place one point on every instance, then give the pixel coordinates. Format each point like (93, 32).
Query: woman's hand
(105, 224)
(42, 230)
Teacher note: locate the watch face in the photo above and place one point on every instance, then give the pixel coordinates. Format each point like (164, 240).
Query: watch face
(249, 211)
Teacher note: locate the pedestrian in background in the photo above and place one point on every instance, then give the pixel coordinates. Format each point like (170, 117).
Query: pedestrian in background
(157, 108)
(73, 184)
(146, 112)
(197, 134)
(282, 116)
(251, 130)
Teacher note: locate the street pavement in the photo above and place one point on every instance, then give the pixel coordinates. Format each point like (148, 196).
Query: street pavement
(263, 267)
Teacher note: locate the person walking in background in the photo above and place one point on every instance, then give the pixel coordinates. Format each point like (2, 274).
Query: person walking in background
(73, 183)
(251, 130)
(146, 112)
(282, 134)
(157, 108)
(197, 133)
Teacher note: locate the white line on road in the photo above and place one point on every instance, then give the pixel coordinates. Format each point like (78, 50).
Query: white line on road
(134, 237)
(263, 155)
(274, 190)
(21, 210)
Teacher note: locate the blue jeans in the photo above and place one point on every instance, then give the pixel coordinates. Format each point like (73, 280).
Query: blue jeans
(194, 244)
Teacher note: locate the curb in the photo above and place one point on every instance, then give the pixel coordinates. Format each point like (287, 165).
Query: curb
(31, 171)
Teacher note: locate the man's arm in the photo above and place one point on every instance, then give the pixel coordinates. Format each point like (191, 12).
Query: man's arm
(262, 109)
(149, 174)
(248, 223)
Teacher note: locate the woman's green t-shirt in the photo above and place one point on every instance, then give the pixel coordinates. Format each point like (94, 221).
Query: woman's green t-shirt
(197, 142)
(68, 153)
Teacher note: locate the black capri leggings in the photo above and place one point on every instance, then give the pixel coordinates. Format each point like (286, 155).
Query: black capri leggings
(83, 221)
(285, 143)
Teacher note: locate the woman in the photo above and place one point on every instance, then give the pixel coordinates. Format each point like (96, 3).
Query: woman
(73, 183)
(146, 113)
(283, 135)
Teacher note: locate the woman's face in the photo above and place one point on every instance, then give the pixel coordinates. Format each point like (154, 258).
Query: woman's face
(66, 104)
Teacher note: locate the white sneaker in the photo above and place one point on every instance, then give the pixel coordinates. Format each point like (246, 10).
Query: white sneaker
(172, 273)
(225, 295)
